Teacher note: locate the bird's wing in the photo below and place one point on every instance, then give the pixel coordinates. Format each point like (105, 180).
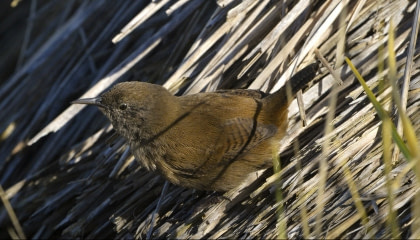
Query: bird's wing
(240, 135)
(257, 94)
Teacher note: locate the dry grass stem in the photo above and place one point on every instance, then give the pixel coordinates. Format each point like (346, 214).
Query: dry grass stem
(66, 175)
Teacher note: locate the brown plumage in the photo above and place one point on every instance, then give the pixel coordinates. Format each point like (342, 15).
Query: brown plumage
(205, 141)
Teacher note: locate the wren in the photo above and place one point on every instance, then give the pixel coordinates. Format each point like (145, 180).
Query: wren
(206, 141)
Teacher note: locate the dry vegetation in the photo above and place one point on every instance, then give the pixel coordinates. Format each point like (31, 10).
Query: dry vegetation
(64, 176)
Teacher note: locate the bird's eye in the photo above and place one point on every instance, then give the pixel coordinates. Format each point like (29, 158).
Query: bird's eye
(123, 106)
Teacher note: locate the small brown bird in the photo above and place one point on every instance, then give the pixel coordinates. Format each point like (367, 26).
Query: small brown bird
(206, 141)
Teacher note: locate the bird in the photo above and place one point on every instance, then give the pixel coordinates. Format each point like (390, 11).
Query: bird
(208, 141)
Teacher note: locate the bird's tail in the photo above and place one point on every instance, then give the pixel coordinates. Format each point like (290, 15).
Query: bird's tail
(302, 80)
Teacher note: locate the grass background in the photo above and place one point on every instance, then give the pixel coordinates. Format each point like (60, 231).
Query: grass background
(64, 177)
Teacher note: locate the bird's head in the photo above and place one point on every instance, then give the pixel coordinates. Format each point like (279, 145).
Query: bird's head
(135, 109)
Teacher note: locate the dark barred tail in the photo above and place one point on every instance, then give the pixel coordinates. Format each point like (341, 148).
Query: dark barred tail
(302, 80)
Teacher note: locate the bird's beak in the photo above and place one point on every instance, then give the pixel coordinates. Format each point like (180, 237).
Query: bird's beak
(90, 101)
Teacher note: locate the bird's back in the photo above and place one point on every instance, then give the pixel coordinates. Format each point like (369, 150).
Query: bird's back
(238, 131)
(226, 137)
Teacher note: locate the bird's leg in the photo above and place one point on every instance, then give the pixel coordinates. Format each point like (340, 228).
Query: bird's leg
(152, 223)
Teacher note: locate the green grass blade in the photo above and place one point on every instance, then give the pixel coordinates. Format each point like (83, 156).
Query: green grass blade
(380, 111)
